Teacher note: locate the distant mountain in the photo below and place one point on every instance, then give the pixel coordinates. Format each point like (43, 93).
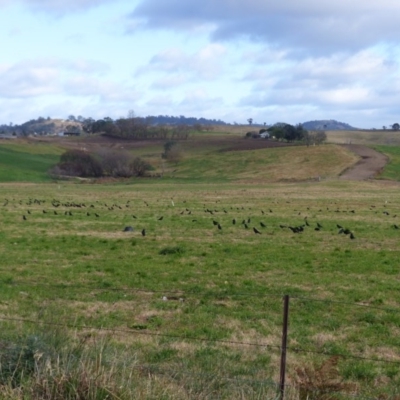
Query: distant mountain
(327, 125)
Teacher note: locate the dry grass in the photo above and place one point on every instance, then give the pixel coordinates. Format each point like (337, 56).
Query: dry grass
(367, 137)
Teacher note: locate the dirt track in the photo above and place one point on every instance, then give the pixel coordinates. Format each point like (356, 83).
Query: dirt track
(370, 164)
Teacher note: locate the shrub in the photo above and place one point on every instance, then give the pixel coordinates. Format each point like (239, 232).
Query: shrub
(139, 166)
(79, 163)
(172, 151)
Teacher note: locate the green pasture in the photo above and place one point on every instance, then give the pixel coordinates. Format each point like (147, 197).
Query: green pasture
(192, 309)
(392, 169)
(217, 334)
(23, 162)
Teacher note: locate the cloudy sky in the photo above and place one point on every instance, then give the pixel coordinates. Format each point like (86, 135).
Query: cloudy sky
(287, 60)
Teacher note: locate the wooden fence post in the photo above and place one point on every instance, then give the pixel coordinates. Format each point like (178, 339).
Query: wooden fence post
(284, 344)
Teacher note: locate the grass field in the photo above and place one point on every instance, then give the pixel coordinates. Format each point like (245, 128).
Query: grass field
(368, 137)
(193, 310)
(27, 162)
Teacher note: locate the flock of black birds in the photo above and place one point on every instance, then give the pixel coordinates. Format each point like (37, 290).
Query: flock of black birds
(217, 222)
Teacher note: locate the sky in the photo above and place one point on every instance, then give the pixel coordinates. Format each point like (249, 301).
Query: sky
(273, 61)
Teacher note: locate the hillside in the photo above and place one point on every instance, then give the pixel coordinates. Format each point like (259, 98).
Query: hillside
(326, 124)
(228, 158)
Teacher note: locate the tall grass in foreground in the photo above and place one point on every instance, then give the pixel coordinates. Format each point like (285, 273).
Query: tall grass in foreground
(52, 365)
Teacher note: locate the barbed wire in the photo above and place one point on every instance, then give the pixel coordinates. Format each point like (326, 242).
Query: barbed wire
(137, 332)
(227, 293)
(221, 341)
(346, 356)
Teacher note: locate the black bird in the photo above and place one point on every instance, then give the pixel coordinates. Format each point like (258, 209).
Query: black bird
(161, 218)
(29, 212)
(128, 229)
(248, 220)
(339, 226)
(262, 224)
(352, 236)
(133, 216)
(296, 229)
(346, 231)
(234, 221)
(317, 229)
(143, 232)
(44, 212)
(282, 226)
(97, 215)
(215, 223)
(88, 214)
(219, 227)
(307, 223)
(246, 226)
(395, 226)
(24, 218)
(319, 225)
(256, 231)
(55, 212)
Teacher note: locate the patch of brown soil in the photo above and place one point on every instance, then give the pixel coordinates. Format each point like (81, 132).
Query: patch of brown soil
(370, 164)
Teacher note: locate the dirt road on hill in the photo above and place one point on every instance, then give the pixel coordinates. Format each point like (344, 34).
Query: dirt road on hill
(371, 163)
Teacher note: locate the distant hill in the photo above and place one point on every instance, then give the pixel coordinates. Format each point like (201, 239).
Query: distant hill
(48, 126)
(41, 126)
(327, 125)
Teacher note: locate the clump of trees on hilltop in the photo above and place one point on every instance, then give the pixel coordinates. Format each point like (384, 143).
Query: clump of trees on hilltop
(287, 132)
(298, 133)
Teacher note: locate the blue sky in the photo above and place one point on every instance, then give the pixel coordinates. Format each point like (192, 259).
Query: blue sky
(291, 61)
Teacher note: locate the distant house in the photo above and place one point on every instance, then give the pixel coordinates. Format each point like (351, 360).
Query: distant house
(7, 136)
(69, 133)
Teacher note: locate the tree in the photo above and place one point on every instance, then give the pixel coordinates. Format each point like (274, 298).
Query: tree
(396, 126)
(250, 121)
(79, 163)
(139, 166)
(172, 151)
(320, 137)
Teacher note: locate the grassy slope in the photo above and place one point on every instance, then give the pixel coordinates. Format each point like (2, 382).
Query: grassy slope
(368, 138)
(22, 162)
(268, 165)
(392, 169)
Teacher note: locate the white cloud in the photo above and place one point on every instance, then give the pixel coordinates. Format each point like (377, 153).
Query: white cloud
(57, 7)
(309, 25)
(179, 67)
(22, 80)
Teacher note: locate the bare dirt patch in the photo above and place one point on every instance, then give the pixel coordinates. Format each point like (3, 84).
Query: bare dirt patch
(369, 166)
